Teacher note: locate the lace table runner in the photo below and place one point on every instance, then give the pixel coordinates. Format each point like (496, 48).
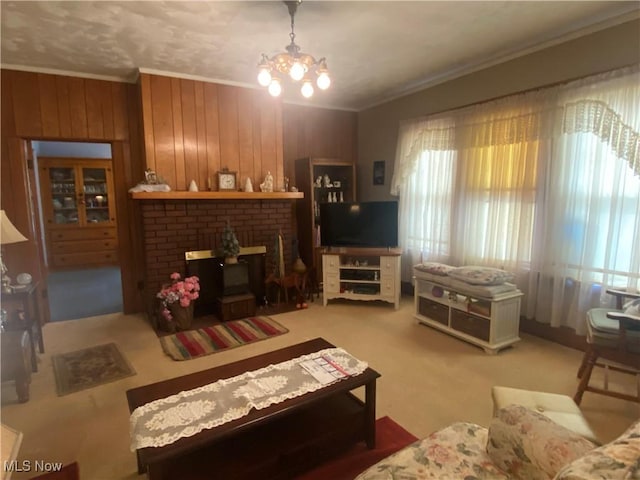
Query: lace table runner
(187, 413)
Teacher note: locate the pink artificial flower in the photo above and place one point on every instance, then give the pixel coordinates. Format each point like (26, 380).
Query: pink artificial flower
(183, 291)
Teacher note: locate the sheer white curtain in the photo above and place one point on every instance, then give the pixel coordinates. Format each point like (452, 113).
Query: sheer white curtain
(591, 218)
(541, 184)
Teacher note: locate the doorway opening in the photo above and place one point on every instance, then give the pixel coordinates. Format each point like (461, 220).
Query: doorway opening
(80, 288)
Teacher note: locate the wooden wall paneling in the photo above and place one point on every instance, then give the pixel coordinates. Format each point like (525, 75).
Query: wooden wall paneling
(178, 134)
(134, 173)
(6, 112)
(95, 119)
(134, 158)
(126, 249)
(256, 115)
(279, 148)
(229, 127)
(26, 104)
(291, 133)
(49, 105)
(318, 133)
(189, 129)
(164, 139)
(119, 97)
(78, 108)
(106, 103)
(321, 134)
(64, 107)
(55, 107)
(268, 142)
(202, 165)
(147, 121)
(245, 136)
(212, 122)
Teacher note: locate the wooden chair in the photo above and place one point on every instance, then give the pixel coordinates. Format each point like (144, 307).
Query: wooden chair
(611, 331)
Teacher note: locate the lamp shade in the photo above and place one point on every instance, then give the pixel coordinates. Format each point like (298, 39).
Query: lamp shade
(9, 233)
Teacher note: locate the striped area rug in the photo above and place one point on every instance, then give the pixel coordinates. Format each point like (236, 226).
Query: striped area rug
(205, 341)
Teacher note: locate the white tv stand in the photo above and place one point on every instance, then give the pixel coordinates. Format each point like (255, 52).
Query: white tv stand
(361, 274)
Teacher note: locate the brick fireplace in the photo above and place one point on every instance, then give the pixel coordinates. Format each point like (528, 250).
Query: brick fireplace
(173, 227)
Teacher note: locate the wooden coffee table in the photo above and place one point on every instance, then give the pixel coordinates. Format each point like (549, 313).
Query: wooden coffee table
(277, 442)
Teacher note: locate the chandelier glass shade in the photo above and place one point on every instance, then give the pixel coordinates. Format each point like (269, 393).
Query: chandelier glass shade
(299, 66)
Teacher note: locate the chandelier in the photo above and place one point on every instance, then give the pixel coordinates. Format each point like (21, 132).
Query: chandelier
(299, 66)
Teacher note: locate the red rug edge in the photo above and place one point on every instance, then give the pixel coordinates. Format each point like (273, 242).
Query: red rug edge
(390, 437)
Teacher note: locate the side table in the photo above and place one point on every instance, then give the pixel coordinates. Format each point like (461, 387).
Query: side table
(16, 361)
(24, 314)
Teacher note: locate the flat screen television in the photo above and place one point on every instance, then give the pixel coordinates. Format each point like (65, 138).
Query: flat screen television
(359, 224)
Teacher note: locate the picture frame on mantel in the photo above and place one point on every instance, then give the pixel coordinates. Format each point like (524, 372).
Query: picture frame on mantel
(378, 172)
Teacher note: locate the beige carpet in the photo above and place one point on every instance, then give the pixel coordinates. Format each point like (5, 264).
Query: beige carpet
(428, 380)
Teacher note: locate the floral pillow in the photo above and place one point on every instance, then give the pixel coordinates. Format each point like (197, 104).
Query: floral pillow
(530, 446)
(481, 275)
(617, 460)
(435, 268)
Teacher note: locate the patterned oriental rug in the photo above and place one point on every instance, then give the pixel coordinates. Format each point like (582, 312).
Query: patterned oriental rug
(390, 437)
(90, 367)
(205, 341)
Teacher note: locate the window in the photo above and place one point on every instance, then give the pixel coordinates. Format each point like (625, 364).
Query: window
(545, 184)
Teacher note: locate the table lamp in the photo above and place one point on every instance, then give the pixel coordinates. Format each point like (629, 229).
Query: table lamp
(8, 234)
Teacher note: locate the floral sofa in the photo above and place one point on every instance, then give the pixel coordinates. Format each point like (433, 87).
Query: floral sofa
(519, 444)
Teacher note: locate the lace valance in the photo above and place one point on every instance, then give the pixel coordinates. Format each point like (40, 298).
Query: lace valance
(187, 413)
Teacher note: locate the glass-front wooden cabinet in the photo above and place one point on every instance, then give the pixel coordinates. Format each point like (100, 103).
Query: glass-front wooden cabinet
(77, 193)
(78, 209)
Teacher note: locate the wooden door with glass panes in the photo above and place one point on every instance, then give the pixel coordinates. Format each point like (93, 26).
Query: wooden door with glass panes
(78, 207)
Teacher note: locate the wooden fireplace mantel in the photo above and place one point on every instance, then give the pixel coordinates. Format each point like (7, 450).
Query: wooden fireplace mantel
(179, 195)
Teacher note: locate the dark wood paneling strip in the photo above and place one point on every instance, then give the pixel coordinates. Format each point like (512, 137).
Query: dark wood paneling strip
(163, 129)
(26, 104)
(78, 108)
(95, 120)
(268, 142)
(106, 105)
(147, 121)
(64, 106)
(49, 106)
(278, 134)
(256, 177)
(245, 136)
(200, 169)
(6, 112)
(189, 129)
(120, 117)
(229, 132)
(212, 127)
(178, 135)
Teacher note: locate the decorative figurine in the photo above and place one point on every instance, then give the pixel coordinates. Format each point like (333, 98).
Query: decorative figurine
(267, 185)
(327, 181)
(248, 186)
(193, 186)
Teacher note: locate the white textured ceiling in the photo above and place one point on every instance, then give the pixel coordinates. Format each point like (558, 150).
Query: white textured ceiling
(374, 50)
